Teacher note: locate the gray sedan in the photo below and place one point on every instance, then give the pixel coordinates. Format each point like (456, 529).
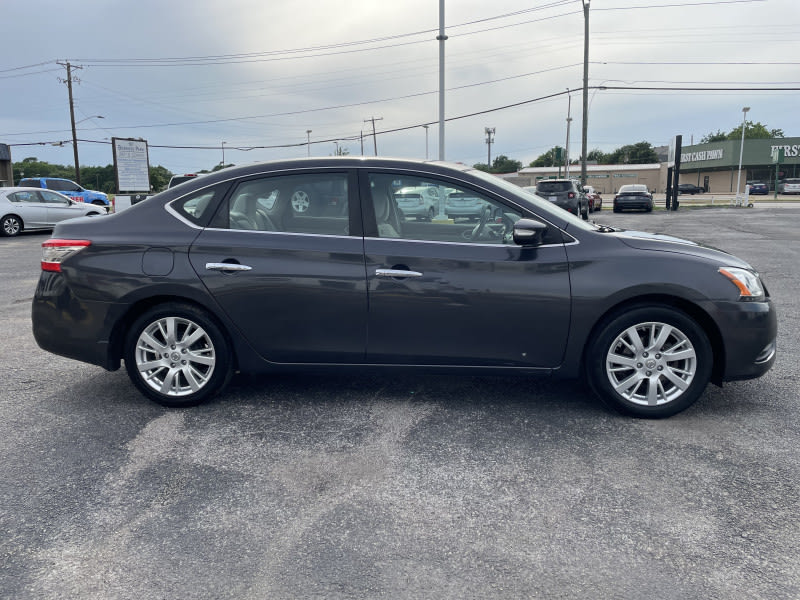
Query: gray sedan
(24, 208)
(203, 280)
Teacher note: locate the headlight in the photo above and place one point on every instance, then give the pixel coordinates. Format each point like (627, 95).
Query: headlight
(747, 282)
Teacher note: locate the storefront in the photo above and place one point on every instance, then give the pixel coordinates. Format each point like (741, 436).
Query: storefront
(715, 166)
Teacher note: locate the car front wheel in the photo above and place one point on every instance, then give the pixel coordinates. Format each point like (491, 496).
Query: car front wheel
(649, 362)
(176, 355)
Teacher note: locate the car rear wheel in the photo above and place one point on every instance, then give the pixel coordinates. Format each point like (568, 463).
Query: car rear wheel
(651, 361)
(11, 226)
(176, 355)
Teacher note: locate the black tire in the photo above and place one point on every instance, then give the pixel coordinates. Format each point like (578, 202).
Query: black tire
(185, 370)
(585, 213)
(663, 376)
(11, 225)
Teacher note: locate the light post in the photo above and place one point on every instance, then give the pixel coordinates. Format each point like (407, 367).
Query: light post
(223, 155)
(308, 138)
(585, 124)
(569, 120)
(741, 150)
(426, 141)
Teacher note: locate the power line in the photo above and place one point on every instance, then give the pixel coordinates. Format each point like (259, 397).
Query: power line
(215, 146)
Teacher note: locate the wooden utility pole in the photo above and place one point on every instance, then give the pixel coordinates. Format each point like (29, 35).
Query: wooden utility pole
(374, 138)
(68, 81)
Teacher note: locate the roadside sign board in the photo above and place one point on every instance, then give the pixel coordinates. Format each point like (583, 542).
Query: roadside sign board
(131, 164)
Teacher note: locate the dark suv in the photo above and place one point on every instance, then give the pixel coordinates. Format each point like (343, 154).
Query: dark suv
(565, 193)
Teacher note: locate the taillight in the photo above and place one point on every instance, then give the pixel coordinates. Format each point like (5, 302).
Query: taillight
(571, 195)
(56, 251)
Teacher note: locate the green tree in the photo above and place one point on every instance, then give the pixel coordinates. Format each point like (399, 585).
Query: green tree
(708, 138)
(598, 156)
(551, 158)
(754, 131)
(640, 153)
(503, 164)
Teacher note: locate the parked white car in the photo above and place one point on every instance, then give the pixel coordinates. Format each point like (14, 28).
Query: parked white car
(24, 208)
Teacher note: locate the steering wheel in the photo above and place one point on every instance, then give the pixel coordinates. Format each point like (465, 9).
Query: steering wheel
(476, 233)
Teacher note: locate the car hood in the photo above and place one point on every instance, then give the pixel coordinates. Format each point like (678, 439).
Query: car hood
(667, 243)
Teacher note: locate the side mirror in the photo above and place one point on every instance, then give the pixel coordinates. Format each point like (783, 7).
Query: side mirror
(528, 232)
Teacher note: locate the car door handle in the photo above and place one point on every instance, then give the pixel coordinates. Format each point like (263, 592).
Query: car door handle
(397, 273)
(227, 267)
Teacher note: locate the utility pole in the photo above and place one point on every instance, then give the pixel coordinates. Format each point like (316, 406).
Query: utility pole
(308, 143)
(585, 127)
(442, 38)
(489, 139)
(68, 81)
(374, 137)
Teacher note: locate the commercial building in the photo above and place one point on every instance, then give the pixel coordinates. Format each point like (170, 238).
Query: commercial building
(713, 166)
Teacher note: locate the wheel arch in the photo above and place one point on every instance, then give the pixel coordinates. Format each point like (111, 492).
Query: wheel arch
(695, 312)
(123, 324)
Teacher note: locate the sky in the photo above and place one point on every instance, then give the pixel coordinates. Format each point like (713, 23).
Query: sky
(249, 78)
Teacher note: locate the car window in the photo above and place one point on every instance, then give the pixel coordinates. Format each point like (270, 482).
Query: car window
(315, 203)
(24, 196)
(31, 183)
(402, 205)
(553, 187)
(53, 198)
(61, 185)
(199, 206)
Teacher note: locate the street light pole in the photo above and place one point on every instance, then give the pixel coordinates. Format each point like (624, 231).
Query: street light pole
(569, 120)
(308, 137)
(223, 153)
(741, 150)
(426, 141)
(585, 127)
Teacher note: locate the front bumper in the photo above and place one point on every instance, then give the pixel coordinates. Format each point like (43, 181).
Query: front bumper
(749, 331)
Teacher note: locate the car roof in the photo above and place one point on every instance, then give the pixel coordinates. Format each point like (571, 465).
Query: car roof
(25, 188)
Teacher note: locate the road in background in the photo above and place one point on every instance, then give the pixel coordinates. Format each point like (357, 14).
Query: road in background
(402, 486)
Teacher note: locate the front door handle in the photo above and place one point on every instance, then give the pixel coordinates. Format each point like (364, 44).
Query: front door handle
(223, 266)
(397, 273)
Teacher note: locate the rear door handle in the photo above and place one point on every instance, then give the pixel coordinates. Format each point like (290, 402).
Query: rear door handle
(397, 273)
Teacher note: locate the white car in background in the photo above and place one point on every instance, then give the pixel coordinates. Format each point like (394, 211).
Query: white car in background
(25, 208)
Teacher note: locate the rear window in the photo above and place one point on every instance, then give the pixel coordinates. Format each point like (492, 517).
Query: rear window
(792, 181)
(552, 187)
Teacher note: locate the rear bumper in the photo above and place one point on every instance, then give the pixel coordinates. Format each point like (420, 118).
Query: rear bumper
(67, 326)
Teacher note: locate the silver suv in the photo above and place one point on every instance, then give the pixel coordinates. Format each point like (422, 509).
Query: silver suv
(566, 193)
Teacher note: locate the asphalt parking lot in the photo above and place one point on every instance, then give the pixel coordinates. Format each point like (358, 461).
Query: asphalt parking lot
(402, 486)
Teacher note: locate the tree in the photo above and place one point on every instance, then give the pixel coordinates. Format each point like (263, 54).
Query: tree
(634, 154)
(752, 131)
(598, 156)
(503, 164)
(551, 158)
(720, 136)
